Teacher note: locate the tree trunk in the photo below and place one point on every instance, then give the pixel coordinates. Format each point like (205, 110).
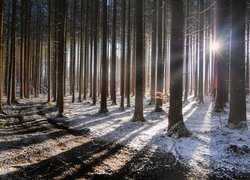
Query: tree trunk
(128, 56)
(60, 6)
(160, 62)
(1, 50)
(153, 52)
(221, 55)
(237, 115)
(138, 113)
(113, 59)
(176, 126)
(123, 53)
(187, 56)
(103, 108)
(201, 54)
(95, 50)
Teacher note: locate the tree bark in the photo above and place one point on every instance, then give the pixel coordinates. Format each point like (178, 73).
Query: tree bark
(103, 108)
(138, 113)
(176, 126)
(237, 115)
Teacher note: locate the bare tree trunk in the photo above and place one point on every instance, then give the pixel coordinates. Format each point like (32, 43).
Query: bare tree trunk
(128, 56)
(113, 59)
(1, 51)
(237, 115)
(153, 52)
(103, 108)
(176, 126)
(123, 54)
(60, 6)
(138, 113)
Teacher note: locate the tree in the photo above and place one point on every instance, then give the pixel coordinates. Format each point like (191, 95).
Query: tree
(138, 113)
(86, 52)
(237, 115)
(1, 49)
(201, 53)
(113, 57)
(73, 39)
(95, 49)
(128, 57)
(187, 55)
(221, 55)
(21, 52)
(49, 51)
(81, 52)
(123, 53)
(12, 67)
(37, 50)
(60, 13)
(160, 62)
(176, 126)
(153, 51)
(103, 108)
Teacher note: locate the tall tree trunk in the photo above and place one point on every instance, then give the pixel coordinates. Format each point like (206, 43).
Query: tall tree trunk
(128, 56)
(95, 50)
(113, 59)
(237, 115)
(21, 53)
(60, 6)
(201, 53)
(247, 63)
(1, 51)
(37, 61)
(221, 54)
(12, 67)
(74, 52)
(103, 108)
(123, 53)
(176, 126)
(160, 61)
(85, 88)
(49, 51)
(187, 56)
(81, 52)
(138, 113)
(197, 52)
(153, 52)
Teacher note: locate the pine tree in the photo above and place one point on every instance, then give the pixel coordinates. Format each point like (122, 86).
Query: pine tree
(176, 126)
(237, 115)
(138, 113)
(103, 108)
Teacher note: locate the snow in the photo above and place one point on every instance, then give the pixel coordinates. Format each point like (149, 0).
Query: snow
(204, 151)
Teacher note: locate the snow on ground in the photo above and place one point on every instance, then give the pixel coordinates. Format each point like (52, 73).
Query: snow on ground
(209, 148)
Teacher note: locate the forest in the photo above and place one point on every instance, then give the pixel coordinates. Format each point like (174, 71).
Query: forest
(124, 89)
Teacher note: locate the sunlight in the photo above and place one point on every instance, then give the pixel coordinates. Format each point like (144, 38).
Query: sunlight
(215, 46)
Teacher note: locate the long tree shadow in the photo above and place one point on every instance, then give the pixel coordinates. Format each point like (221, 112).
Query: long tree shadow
(152, 164)
(76, 159)
(34, 139)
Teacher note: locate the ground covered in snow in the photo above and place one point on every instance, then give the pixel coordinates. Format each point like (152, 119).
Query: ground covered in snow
(32, 148)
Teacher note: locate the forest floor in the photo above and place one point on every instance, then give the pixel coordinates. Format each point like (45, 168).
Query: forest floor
(89, 145)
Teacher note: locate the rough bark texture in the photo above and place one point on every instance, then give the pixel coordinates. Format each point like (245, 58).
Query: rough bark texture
(176, 126)
(138, 113)
(160, 62)
(237, 115)
(60, 6)
(221, 55)
(103, 108)
(153, 52)
(201, 54)
(1, 49)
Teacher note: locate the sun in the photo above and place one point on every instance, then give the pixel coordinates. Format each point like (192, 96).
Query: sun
(215, 46)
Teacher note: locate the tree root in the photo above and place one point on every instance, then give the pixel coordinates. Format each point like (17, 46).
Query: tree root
(178, 130)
